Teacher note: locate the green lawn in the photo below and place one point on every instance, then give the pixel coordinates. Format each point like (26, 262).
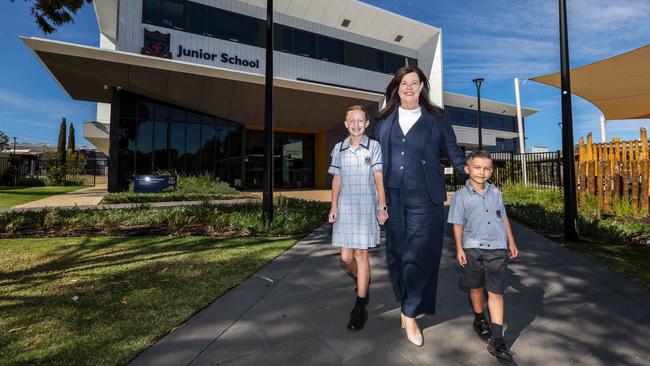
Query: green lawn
(131, 291)
(12, 196)
(630, 261)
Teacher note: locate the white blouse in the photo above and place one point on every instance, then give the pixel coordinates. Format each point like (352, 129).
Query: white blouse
(408, 117)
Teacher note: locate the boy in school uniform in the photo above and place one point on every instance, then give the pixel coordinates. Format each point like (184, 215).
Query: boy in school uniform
(484, 243)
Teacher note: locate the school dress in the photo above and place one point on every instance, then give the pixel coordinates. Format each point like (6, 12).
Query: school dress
(356, 225)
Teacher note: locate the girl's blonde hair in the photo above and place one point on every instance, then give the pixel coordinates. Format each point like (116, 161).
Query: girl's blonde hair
(357, 108)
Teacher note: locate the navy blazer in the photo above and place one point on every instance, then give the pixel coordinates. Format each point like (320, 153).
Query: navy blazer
(441, 141)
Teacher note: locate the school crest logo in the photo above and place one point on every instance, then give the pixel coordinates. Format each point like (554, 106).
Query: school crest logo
(367, 160)
(156, 44)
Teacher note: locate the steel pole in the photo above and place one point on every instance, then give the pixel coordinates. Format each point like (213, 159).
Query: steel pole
(520, 128)
(568, 170)
(480, 124)
(267, 195)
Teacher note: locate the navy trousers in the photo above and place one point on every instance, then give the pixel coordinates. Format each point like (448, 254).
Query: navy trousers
(414, 233)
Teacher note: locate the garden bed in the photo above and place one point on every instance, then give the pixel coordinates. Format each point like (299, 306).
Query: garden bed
(291, 217)
(542, 210)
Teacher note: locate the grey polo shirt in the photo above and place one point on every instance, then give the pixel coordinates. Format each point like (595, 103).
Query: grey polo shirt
(481, 216)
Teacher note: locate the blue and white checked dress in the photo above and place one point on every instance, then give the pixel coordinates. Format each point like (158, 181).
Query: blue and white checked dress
(356, 224)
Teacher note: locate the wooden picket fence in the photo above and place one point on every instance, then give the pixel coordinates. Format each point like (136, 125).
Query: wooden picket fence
(617, 170)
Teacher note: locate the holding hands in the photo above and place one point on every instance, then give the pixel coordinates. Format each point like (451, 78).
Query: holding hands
(382, 215)
(332, 215)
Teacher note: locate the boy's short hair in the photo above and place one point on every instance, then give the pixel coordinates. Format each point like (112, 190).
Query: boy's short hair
(357, 108)
(479, 154)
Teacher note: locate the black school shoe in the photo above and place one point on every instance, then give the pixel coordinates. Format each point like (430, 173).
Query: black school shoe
(358, 318)
(498, 348)
(482, 329)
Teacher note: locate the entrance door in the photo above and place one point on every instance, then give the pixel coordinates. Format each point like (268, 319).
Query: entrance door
(293, 160)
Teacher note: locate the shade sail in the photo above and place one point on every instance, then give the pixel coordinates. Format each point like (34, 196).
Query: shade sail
(619, 86)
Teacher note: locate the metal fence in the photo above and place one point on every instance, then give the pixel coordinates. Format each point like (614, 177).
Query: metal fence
(89, 172)
(543, 169)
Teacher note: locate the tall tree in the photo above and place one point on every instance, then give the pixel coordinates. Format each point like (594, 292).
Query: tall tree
(71, 142)
(4, 141)
(50, 14)
(60, 147)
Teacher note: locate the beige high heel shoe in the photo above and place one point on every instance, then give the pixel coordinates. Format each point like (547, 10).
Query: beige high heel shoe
(418, 339)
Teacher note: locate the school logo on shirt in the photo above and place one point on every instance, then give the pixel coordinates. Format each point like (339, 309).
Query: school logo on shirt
(367, 161)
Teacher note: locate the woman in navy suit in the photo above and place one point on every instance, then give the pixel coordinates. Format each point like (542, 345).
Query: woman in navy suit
(414, 135)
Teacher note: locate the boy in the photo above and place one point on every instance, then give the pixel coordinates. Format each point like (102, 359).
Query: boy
(483, 240)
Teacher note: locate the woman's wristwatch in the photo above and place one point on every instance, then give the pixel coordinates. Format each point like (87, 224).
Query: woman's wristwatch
(382, 208)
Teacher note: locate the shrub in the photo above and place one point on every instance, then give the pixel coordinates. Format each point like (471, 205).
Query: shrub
(622, 206)
(543, 210)
(291, 217)
(204, 187)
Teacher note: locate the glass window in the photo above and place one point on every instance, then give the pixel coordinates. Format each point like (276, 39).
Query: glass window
(144, 141)
(304, 43)
(197, 15)
(469, 118)
(330, 49)
(126, 150)
(177, 146)
(233, 27)
(192, 148)
(145, 110)
(172, 14)
(161, 153)
(393, 62)
(177, 115)
(162, 112)
(284, 39)
(208, 142)
(456, 116)
(151, 11)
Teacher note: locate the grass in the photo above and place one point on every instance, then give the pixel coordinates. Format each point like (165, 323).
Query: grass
(629, 261)
(131, 291)
(13, 196)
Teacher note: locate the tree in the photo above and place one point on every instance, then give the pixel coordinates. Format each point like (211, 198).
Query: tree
(50, 14)
(71, 142)
(4, 141)
(60, 147)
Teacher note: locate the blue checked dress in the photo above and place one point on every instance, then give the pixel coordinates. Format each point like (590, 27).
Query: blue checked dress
(356, 225)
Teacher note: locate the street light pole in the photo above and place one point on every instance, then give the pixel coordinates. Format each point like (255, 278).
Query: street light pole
(568, 169)
(15, 162)
(267, 194)
(478, 82)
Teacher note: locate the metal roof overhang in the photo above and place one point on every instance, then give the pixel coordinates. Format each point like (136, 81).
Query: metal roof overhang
(619, 86)
(90, 74)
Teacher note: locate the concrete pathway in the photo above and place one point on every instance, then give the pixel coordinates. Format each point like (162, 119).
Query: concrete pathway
(561, 310)
(83, 197)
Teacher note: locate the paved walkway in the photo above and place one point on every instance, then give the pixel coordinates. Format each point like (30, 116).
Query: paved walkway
(561, 310)
(83, 197)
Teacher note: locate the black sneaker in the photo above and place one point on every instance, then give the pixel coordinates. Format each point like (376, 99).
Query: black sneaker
(482, 329)
(358, 318)
(498, 348)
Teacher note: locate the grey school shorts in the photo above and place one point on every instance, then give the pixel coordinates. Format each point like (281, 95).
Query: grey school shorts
(485, 268)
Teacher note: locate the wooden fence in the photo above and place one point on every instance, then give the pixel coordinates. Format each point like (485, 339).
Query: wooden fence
(615, 171)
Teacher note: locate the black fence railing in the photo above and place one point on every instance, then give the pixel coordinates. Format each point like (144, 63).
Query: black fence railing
(89, 172)
(543, 169)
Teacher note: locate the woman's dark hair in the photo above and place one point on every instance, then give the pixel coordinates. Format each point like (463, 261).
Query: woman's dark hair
(392, 98)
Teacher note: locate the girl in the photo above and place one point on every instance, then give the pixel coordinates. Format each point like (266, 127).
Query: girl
(358, 204)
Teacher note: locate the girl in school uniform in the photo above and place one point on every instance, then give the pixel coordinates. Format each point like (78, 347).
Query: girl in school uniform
(358, 204)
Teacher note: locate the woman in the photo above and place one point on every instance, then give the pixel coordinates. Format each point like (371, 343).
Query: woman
(414, 136)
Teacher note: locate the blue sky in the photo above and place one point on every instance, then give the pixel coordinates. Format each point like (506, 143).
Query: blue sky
(496, 39)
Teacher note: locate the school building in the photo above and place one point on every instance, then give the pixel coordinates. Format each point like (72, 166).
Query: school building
(179, 84)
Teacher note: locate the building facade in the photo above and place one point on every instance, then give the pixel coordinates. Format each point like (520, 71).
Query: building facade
(180, 84)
